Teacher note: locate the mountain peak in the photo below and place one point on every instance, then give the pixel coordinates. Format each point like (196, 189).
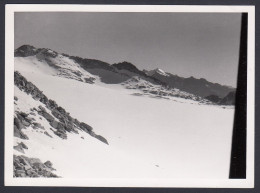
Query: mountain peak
(157, 71)
(28, 50)
(25, 50)
(160, 71)
(26, 46)
(126, 66)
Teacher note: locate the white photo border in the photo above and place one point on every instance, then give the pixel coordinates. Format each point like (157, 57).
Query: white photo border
(10, 9)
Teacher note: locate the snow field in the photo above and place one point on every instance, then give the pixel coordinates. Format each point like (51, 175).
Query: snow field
(148, 137)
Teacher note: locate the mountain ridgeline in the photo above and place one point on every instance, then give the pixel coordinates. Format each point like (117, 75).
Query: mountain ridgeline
(122, 72)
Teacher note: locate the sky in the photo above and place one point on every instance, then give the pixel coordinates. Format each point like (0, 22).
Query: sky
(202, 45)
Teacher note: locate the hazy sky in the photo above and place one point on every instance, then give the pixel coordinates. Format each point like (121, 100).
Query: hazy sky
(203, 45)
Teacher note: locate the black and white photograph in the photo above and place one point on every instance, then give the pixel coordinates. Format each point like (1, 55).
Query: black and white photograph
(129, 96)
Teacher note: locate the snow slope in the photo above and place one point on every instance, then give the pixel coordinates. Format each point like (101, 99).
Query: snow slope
(148, 137)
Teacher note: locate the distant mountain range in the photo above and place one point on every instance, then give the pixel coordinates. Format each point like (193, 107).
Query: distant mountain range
(200, 87)
(124, 71)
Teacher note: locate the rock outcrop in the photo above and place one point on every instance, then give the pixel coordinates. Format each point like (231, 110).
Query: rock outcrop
(20, 147)
(230, 99)
(59, 119)
(213, 98)
(32, 167)
(120, 72)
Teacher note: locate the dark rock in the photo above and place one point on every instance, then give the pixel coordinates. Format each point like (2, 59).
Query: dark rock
(57, 114)
(37, 125)
(78, 73)
(48, 164)
(61, 110)
(25, 50)
(20, 173)
(31, 167)
(213, 98)
(85, 127)
(38, 166)
(44, 53)
(52, 104)
(46, 133)
(19, 148)
(15, 98)
(32, 114)
(31, 173)
(41, 108)
(18, 124)
(230, 99)
(24, 115)
(18, 133)
(26, 123)
(91, 63)
(89, 80)
(100, 138)
(60, 134)
(47, 116)
(23, 119)
(127, 66)
(76, 122)
(68, 127)
(23, 145)
(54, 124)
(30, 119)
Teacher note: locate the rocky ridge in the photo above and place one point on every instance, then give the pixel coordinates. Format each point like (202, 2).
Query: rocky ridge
(229, 99)
(89, 70)
(63, 64)
(60, 122)
(32, 167)
(156, 91)
(59, 119)
(200, 87)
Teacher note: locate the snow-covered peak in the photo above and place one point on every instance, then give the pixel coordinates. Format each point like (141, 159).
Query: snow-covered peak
(160, 71)
(157, 71)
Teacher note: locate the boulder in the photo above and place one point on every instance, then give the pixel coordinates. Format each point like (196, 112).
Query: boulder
(69, 127)
(20, 173)
(31, 167)
(47, 116)
(213, 98)
(46, 133)
(48, 164)
(18, 124)
(20, 147)
(52, 104)
(23, 145)
(18, 133)
(101, 138)
(37, 126)
(23, 114)
(42, 108)
(85, 127)
(26, 123)
(56, 114)
(60, 134)
(58, 125)
(32, 114)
